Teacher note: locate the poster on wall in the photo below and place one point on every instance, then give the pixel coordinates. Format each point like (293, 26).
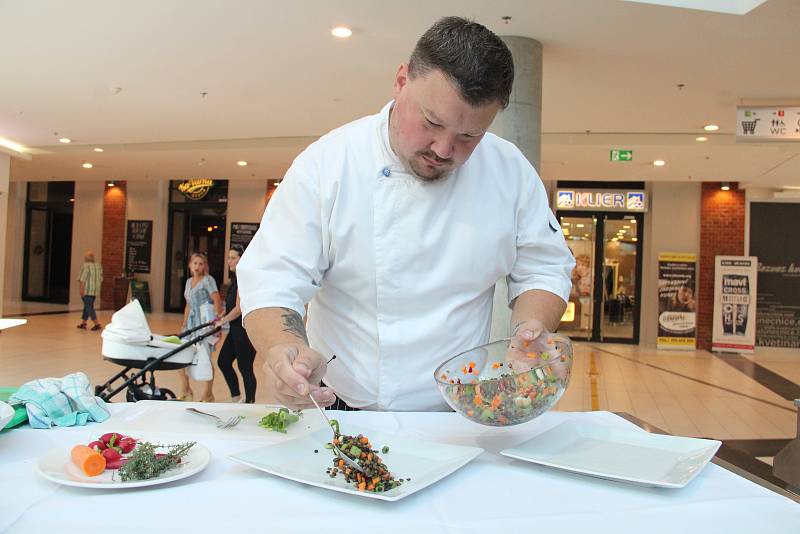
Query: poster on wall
(137, 246)
(677, 323)
(778, 252)
(242, 233)
(735, 289)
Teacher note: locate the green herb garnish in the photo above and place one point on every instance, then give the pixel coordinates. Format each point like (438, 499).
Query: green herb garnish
(144, 463)
(278, 421)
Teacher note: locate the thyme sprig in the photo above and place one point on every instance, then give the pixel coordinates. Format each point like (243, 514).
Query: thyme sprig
(144, 463)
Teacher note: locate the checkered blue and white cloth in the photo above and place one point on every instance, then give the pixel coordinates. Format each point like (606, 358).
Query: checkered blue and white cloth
(66, 401)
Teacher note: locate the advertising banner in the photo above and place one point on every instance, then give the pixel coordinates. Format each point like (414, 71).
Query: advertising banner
(677, 323)
(735, 279)
(778, 252)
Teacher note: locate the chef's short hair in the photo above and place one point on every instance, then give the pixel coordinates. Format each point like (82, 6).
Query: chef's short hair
(476, 60)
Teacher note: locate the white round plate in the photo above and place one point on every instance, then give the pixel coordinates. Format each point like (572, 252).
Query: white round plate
(57, 467)
(6, 414)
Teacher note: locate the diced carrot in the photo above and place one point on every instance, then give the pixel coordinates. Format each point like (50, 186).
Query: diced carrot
(472, 364)
(369, 457)
(470, 413)
(362, 486)
(371, 487)
(89, 460)
(375, 480)
(341, 462)
(364, 440)
(477, 400)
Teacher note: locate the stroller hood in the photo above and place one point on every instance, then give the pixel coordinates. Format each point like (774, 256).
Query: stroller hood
(128, 325)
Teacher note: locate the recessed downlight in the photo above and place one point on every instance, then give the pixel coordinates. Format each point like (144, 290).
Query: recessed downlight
(701, 139)
(65, 140)
(98, 149)
(711, 127)
(241, 163)
(87, 165)
(659, 163)
(342, 32)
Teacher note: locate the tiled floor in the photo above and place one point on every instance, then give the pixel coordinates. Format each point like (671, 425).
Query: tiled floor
(686, 393)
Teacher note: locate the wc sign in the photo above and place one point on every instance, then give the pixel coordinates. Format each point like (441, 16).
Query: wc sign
(600, 200)
(767, 123)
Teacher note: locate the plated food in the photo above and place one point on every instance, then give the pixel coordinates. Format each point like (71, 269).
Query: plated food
(376, 477)
(115, 460)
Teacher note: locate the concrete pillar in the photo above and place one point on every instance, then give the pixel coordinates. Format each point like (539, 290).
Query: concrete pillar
(520, 123)
(5, 173)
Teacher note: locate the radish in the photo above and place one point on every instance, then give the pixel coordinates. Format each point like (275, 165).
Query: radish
(110, 455)
(127, 444)
(116, 464)
(97, 445)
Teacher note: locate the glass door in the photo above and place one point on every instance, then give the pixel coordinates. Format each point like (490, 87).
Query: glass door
(606, 282)
(580, 231)
(620, 278)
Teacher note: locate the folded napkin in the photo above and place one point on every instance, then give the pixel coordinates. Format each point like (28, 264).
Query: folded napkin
(20, 413)
(64, 401)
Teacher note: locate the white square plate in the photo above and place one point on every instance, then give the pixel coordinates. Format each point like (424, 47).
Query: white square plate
(628, 455)
(423, 462)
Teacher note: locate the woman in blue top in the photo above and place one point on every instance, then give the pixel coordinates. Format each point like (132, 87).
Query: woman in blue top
(201, 289)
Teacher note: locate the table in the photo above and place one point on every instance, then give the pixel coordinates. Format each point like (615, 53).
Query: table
(491, 494)
(7, 322)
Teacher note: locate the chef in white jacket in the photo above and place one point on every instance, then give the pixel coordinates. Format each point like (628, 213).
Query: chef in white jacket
(394, 229)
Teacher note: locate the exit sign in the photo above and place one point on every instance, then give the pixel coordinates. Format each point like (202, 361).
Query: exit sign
(621, 155)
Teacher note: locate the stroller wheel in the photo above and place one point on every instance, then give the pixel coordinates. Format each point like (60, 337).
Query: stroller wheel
(167, 394)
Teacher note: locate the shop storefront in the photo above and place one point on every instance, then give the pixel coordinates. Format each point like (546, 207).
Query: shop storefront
(604, 228)
(196, 223)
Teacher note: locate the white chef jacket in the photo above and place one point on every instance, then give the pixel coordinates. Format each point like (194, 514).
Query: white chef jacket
(399, 273)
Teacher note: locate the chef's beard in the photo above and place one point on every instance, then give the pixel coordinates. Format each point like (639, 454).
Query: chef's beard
(424, 172)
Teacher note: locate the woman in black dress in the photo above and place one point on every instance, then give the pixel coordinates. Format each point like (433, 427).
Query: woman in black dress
(237, 345)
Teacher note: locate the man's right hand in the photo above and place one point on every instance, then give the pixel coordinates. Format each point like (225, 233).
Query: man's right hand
(292, 371)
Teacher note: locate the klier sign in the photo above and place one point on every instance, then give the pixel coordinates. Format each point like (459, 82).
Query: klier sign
(600, 200)
(767, 123)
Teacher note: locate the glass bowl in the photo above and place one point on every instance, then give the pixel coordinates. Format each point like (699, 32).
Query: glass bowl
(502, 384)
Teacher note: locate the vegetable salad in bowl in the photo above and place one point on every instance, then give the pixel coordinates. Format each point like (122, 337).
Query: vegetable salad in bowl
(503, 383)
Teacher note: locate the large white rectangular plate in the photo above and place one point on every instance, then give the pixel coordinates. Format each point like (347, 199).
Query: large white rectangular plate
(171, 417)
(423, 462)
(633, 455)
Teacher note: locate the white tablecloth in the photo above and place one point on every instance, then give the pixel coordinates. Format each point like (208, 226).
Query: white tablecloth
(490, 494)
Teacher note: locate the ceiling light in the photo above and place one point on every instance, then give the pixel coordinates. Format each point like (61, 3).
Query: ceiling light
(210, 228)
(87, 165)
(241, 163)
(72, 200)
(711, 127)
(623, 231)
(659, 163)
(726, 186)
(65, 140)
(110, 183)
(580, 225)
(626, 226)
(614, 239)
(342, 32)
(98, 149)
(701, 139)
(634, 239)
(12, 145)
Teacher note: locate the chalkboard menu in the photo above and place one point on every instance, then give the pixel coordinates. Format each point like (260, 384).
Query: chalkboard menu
(139, 243)
(242, 233)
(141, 292)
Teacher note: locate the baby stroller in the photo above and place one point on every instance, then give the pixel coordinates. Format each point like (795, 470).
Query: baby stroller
(128, 342)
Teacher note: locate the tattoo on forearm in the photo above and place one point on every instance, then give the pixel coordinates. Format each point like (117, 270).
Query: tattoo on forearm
(293, 323)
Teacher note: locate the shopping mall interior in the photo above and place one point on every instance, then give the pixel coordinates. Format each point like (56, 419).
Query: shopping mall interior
(666, 134)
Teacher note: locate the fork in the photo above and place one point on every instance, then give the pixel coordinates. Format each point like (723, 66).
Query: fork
(336, 449)
(230, 423)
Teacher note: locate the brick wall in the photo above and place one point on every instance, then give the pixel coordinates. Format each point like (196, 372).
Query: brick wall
(721, 234)
(113, 255)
